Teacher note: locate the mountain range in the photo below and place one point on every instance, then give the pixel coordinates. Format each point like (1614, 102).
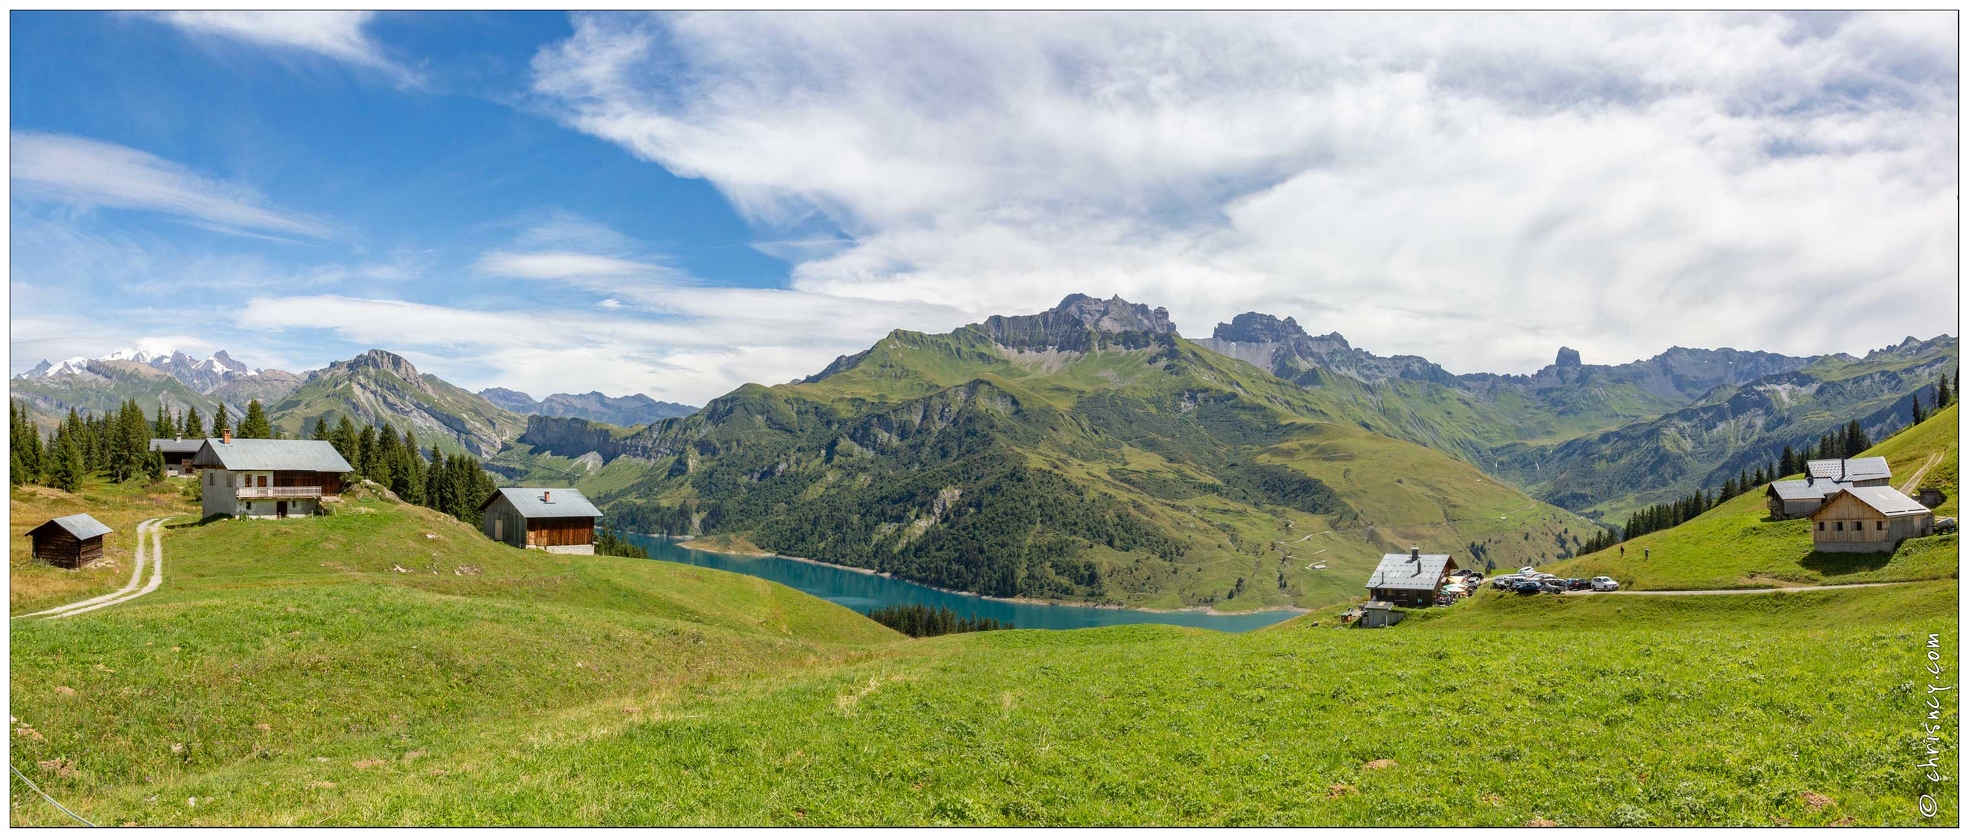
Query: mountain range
(179, 381)
(633, 409)
(1090, 452)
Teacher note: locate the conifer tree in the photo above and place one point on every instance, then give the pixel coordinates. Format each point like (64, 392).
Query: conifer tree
(1788, 463)
(166, 427)
(25, 444)
(1914, 409)
(365, 461)
(1943, 395)
(68, 466)
(254, 425)
(194, 424)
(220, 421)
(344, 439)
(1856, 439)
(320, 428)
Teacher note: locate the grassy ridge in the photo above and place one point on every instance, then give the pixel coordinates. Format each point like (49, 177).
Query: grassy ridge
(1738, 545)
(299, 644)
(1719, 721)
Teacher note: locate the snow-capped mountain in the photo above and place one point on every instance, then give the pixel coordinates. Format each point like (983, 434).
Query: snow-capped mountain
(204, 375)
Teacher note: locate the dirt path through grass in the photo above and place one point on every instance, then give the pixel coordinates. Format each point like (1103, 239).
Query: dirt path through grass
(150, 543)
(1915, 481)
(1724, 591)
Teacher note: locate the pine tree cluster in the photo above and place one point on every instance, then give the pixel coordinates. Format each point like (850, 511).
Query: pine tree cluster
(115, 444)
(924, 621)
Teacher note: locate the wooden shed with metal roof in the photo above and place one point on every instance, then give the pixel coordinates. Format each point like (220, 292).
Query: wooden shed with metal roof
(1410, 579)
(552, 519)
(1868, 519)
(71, 541)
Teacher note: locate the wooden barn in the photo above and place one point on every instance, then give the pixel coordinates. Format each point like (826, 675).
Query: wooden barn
(1868, 519)
(178, 454)
(1410, 579)
(554, 520)
(71, 541)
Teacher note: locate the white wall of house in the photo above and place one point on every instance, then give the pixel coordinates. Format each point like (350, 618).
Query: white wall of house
(222, 488)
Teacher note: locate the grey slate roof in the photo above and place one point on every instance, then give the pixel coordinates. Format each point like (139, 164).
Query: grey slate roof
(1850, 470)
(271, 455)
(80, 526)
(1887, 501)
(565, 503)
(177, 446)
(1400, 571)
(1806, 489)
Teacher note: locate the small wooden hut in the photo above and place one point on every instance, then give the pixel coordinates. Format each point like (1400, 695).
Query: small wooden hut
(71, 541)
(554, 520)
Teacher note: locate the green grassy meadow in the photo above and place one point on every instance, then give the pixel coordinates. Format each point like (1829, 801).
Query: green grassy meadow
(385, 665)
(1738, 545)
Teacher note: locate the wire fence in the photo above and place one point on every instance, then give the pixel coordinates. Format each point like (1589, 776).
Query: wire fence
(51, 801)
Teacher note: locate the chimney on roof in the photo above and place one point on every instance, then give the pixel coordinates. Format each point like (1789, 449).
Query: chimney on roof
(1415, 554)
(228, 438)
(546, 497)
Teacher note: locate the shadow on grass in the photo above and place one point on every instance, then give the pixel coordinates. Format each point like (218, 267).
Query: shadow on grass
(1841, 564)
(200, 522)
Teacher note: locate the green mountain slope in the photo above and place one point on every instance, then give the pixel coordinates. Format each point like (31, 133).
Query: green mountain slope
(1738, 545)
(377, 387)
(1732, 429)
(1087, 453)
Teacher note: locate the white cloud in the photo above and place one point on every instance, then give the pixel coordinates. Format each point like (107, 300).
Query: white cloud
(338, 35)
(705, 342)
(1475, 188)
(563, 265)
(89, 173)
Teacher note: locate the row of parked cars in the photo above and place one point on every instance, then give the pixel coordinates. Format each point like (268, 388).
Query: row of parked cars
(1530, 581)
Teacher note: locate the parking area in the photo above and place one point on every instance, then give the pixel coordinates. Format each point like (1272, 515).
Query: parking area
(1530, 582)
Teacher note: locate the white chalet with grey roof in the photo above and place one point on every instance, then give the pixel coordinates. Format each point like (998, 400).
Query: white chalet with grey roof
(553, 519)
(268, 478)
(1412, 578)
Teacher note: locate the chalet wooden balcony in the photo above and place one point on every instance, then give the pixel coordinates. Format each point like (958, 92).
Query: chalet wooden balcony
(257, 492)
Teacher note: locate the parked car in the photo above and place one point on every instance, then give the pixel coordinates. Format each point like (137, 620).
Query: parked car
(1553, 586)
(1944, 525)
(1526, 586)
(1527, 571)
(1578, 584)
(1605, 583)
(1506, 582)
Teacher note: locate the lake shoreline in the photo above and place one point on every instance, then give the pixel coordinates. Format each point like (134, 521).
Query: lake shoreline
(1205, 610)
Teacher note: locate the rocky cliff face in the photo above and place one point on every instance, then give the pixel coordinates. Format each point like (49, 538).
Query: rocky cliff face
(1289, 353)
(1082, 324)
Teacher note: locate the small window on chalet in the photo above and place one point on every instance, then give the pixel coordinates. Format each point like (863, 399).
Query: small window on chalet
(1880, 525)
(1839, 526)
(1821, 526)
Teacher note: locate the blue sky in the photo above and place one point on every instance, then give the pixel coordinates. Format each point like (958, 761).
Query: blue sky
(679, 204)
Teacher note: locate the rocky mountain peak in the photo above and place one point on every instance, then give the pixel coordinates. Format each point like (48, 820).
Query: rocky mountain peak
(1116, 315)
(1078, 324)
(1568, 357)
(1258, 327)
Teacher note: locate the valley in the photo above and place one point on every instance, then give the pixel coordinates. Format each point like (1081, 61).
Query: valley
(1092, 454)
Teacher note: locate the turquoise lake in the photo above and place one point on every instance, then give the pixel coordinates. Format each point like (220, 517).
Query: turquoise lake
(863, 591)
